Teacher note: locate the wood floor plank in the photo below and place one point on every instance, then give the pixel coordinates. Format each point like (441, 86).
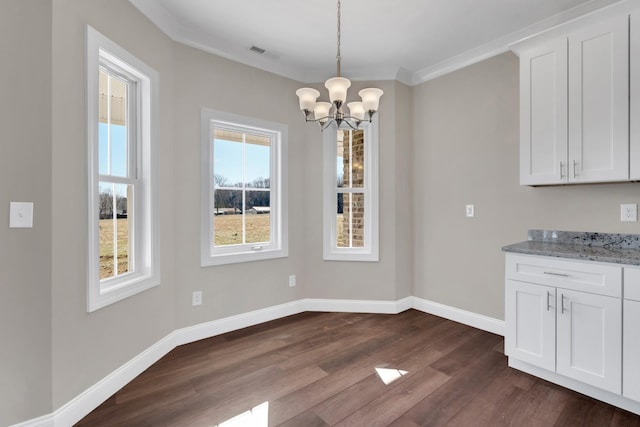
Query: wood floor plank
(583, 411)
(319, 369)
(623, 418)
(544, 404)
(452, 397)
(291, 405)
(306, 419)
(388, 407)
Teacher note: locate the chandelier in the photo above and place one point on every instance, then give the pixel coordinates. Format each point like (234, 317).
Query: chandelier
(326, 113)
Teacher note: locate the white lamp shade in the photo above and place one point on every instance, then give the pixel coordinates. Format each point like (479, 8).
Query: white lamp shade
(337, 87)
(307, 97)
(356, 109)
(370, 98)
(322, 110)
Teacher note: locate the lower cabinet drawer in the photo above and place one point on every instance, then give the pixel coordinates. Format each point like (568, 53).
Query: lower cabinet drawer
(601, 279)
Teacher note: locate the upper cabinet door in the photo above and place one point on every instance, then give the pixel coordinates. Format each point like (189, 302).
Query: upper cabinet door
(634, 97)
(543, 114)
(599, 102)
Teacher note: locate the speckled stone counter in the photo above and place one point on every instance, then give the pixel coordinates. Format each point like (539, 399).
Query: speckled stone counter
(601, 247)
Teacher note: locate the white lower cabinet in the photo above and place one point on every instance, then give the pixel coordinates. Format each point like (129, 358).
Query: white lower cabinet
(575, 334)
(631, 354)
(556, 330)
(531, 324)
(589, 342)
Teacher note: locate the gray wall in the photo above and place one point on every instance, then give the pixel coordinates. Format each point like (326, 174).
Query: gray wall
(209, 81)
(445, 143)
(366, 280)
(25, 176)
(89, 346)
(466, 151)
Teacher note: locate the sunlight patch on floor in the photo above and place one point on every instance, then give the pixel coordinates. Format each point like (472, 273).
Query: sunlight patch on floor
(254, 417)
(390, 375)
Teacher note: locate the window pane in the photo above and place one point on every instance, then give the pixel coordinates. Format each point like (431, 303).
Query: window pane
(112, 125)
(350, 159)
(350, 220)
(257, 161)
(227, 218)
(118, 150)
(227, 158)
(357, 159)
(114, 237)
(257, 219)
(342, 161)
(103, 148)
(340, 237)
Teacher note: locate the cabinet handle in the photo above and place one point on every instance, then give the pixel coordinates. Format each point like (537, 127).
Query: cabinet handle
(548, 304)
(561, 167)
(574, 168)
(551, 273)
(562, 309)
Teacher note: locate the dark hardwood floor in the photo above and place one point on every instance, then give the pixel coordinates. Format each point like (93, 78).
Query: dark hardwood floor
(318, 369)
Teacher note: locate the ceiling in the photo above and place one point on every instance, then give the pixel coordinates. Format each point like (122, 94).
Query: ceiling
(407, 40)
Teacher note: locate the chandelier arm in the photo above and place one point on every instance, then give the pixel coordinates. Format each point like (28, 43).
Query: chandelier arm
(326, 125)
(348, 122)
(327, 118)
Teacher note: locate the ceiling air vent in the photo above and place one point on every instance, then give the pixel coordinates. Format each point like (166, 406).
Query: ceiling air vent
(257, 49)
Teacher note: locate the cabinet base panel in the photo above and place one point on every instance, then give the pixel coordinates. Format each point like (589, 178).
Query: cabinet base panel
(587, 390)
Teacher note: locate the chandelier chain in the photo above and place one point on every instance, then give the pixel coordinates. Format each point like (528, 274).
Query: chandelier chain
(338, 57)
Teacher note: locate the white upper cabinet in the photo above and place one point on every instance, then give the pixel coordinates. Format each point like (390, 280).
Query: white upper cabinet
(543, 112)
(599, 102)
(574, 107)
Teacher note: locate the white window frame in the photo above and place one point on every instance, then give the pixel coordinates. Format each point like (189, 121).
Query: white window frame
(370, 250)
(145, 256)
(278, 247)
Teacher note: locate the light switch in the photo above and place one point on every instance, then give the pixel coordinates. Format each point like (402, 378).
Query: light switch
(21, 215)
(470, 211)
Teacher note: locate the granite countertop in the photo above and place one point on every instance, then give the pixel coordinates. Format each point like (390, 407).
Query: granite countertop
(601, 247)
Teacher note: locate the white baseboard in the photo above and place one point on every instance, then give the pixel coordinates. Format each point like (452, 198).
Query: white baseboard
(74, 410)
(479, 321)
(357, 306)
(233, 323)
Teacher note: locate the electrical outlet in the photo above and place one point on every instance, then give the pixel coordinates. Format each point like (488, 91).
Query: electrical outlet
(629, 212)
(470, 211)
(196, 298)
(292, 280)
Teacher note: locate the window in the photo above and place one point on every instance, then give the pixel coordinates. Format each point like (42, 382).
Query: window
(351, 193)
(121, 126)
(243, 189)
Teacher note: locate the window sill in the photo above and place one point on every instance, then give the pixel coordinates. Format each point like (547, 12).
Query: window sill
(240, 257)
(351, 256)
(116, 293)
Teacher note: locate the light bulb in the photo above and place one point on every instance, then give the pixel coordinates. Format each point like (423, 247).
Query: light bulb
(307, 97)
(337, 89)
(370, 98)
